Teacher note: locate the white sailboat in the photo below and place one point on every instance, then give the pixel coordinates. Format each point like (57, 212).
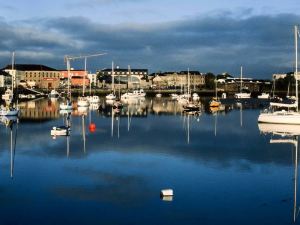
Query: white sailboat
(189, 105)
(242, 94)
(82, 100)
(215, 102)
(112, 95)
(68, 104)
(283, 116)
(9, 109)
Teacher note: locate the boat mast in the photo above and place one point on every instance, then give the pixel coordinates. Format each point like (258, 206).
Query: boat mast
(113, 77)
(85, 73)
(128, 75)
(296, 63)
(12, 70)
(68, 68)
(241, 79)
(188, 87)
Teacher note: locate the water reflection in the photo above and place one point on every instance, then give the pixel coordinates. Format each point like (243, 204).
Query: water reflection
(115, 161)
(11, 123)
(285, 134)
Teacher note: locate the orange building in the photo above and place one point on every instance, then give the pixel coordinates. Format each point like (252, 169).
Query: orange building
(78, 77)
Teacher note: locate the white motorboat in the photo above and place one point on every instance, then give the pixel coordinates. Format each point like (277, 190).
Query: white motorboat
(263, 96)
(111, 96)
(135, 94)
(158, 95)
(60, 131)
(94, 99)
(242, 95)
(83, 102)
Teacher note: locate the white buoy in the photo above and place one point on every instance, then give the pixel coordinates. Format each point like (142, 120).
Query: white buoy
(166, 192)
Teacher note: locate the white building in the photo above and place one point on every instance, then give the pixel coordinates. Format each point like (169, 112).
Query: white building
(277, 76)
(93, 78)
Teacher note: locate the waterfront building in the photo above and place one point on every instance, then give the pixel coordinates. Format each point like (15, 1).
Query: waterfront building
(177, 79)
(5, 79)
(135, 78)
(92, 78)
(35, 75)
(77, 78)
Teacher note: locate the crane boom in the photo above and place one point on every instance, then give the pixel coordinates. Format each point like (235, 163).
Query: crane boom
(68, 57)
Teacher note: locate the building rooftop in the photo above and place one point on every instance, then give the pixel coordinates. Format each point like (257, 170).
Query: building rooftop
(125, 70)
(3, 73)
(29, 67)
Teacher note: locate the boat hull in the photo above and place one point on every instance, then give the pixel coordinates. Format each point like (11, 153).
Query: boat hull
(5, 112)
(280, 118)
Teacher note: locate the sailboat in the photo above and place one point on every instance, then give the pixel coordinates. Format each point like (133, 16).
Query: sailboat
(215, 102)
(112, 95)
(93, 99)
(9, 109)
(118, 104)
(242, 94)
(68, 104)
(283, 116)
(83, 101)
(190, 106)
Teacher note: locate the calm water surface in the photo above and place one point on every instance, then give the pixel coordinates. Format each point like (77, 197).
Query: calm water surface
(222, 168)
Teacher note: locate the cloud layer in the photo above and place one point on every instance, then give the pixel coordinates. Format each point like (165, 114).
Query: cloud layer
(217, 43)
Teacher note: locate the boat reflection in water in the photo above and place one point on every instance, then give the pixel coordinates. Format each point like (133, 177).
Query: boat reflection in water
(285, 134)
(65, 129)
(11, 122)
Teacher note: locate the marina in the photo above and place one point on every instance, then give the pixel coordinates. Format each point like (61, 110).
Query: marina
(149, 112)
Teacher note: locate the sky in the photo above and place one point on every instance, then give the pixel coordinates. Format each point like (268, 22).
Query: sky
(209, 36)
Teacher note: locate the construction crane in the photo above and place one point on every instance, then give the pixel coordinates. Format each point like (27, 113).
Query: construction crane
(68, 58)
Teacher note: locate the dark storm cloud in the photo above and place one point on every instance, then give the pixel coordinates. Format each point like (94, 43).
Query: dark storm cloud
(218, 43)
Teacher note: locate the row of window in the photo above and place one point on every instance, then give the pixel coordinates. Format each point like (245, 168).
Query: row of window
(123, 73)
(42, 74)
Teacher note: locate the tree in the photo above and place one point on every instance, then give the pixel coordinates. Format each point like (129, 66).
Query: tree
(210, 80)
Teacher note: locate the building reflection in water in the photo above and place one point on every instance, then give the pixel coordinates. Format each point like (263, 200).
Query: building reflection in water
(43, 109)
(285, 134)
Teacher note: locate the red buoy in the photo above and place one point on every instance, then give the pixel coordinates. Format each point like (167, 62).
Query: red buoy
(92, 127)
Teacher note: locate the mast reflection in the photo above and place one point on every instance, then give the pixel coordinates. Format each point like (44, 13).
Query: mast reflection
(285, 134)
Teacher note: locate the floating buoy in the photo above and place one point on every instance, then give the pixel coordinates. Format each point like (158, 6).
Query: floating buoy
(92, 127)
(166, 192)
